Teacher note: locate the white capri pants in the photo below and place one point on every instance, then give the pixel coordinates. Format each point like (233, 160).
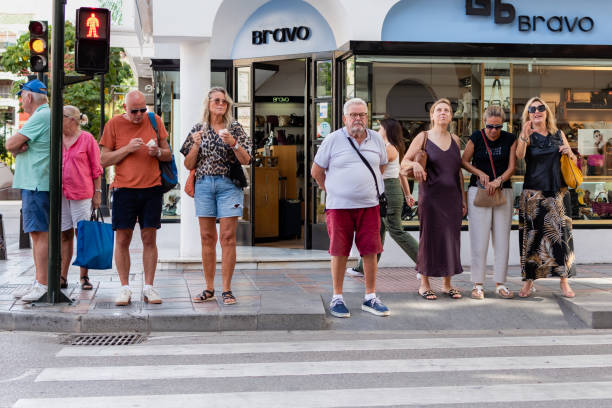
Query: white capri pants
(74, 211)
(483, 223)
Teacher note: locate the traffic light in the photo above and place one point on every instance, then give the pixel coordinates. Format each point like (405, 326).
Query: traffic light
(92, 46)
(39, 51)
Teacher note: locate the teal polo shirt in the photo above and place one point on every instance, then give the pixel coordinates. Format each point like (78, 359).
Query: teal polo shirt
(32, 166)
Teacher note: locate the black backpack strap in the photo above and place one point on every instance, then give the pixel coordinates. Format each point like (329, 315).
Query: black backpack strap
(365, 161)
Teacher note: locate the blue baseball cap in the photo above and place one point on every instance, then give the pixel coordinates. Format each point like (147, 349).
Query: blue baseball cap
(33, 86)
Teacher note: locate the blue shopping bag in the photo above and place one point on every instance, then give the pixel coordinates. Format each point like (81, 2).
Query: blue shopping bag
(95, 241)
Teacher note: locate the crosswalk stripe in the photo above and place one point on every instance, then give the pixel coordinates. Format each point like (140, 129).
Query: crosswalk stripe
(173, 372)
(334, 345)
(372, 397)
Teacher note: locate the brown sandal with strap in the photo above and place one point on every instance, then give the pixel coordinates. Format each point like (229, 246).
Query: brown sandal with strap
(63, 283)
(205, 296)
(85, 283)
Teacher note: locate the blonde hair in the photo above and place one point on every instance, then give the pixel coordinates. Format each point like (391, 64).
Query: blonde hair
(494, 111)
(433, 108)
(551, 122)
(227, 116)
(76, 114)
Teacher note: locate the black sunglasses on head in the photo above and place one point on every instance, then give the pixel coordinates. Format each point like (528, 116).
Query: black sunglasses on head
(496, 127)
(141, 110)
(539, 108)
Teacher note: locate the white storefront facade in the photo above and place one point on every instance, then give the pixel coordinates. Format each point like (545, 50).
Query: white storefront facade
(290, 64)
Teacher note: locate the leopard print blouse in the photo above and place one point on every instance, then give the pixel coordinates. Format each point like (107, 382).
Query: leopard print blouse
(214, 156)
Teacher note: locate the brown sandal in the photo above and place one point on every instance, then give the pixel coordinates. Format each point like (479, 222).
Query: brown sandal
(63, 283)
(429, 295)
(85, 283)
(205, 296)
(454, 293)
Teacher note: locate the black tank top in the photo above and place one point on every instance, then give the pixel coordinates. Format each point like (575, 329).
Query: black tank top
(543, 161)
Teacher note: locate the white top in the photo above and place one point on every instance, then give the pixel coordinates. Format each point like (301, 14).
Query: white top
(348, 182)
(393, 168)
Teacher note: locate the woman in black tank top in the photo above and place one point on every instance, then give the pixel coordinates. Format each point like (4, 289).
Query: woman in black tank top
(545, 231)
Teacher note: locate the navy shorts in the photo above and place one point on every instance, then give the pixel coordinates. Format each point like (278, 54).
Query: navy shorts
(35, 210)
(137, 204)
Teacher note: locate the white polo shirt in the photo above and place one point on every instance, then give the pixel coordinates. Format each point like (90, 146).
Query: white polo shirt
(348, 182)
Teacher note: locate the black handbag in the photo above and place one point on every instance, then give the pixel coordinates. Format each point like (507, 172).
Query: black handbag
(236, 174)
(382, 198)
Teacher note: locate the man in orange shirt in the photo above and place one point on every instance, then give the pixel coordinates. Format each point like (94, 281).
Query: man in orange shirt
(129, 143)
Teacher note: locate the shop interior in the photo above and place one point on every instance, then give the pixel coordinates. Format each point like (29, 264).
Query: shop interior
(579, 94)
(279, 163)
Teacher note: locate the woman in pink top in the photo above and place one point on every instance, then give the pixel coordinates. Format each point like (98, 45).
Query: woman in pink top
(81, 178)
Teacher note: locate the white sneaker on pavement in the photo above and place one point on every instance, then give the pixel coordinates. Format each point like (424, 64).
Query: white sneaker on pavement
(124, 297)
(35, 293)
(19, 293)
(352, 272)
(150, 295)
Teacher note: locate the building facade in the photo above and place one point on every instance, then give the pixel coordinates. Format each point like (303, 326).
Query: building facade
(291, 64)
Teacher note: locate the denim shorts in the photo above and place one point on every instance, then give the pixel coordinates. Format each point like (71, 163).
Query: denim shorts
(137, 204)
(217, 196)
(35, 210)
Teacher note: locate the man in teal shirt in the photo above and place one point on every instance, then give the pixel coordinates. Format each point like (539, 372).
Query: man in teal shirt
(30, 146)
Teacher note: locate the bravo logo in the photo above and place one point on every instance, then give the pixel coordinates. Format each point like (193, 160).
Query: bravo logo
(505, 13)
(281, 35)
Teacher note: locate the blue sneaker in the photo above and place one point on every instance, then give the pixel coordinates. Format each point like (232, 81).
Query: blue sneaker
(337, 308)
(375, 306)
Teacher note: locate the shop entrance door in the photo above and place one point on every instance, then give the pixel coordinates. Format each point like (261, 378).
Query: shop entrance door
(273, 104)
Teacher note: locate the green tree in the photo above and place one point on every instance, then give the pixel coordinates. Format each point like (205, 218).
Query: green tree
(84, 95)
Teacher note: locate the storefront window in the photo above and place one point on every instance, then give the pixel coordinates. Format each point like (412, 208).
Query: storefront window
(243, 116)
(578, 92)
(243, 83)
(324, 79)
(167, 106)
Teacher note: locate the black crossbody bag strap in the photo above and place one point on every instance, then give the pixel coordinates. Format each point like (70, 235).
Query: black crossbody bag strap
(365, 161)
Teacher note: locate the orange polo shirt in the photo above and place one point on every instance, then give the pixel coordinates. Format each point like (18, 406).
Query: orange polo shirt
(137, 169)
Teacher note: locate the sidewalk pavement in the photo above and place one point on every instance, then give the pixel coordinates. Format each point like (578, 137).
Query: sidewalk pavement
(297, 299)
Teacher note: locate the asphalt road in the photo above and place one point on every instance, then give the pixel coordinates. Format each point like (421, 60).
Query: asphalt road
(339, 368)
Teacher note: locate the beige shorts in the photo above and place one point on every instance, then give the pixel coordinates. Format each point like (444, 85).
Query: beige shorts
(74, 211)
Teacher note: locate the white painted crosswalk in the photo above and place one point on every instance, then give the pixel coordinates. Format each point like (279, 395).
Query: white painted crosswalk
(520, 371)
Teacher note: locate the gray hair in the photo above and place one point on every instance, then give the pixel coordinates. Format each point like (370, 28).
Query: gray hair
(38, 98)
(354, 101)
(76, 114)
(494, 111)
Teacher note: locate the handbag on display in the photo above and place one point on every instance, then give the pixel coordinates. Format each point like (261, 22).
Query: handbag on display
(570, 172)
(420, 157)
(190, 183)
(169, 173)
(483, 198)
(95, 240)
(6, 176)
(382, 198)
(284, 120)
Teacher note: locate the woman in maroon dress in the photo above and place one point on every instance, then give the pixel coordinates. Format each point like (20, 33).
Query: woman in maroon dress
(442, 201)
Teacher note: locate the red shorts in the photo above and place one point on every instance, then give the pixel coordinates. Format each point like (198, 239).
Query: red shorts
(364, 223)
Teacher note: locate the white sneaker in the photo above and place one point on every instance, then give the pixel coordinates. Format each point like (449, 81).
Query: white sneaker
(124, 297)
(150, 295)
(35, 293)
(352, 272)
(22, 292)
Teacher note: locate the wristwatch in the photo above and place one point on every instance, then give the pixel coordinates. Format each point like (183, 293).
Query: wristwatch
(98, 190)
(159, 152)
(236, 146)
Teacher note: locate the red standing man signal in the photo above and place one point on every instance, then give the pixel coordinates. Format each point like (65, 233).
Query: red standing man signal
(93, 23)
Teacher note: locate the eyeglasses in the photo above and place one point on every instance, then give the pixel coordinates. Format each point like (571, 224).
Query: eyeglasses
(218, 101)
(539, 108)
(141, 110)
(358, 115)
(496, 127)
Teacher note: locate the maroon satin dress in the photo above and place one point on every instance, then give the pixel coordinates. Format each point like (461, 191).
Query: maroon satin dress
(440, 213)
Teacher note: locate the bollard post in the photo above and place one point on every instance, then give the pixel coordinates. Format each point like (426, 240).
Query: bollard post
(2, 241)
(24, 237)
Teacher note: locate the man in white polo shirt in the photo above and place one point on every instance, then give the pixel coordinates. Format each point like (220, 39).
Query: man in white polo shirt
(352, 201)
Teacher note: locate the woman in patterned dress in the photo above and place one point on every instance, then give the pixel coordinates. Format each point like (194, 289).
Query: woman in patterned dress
(545, 231)
(210, 148)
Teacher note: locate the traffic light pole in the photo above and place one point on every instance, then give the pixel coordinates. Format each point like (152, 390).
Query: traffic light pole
(104, 204)
(54, 294)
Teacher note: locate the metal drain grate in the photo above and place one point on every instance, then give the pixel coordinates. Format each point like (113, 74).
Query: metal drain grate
(102, 339)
